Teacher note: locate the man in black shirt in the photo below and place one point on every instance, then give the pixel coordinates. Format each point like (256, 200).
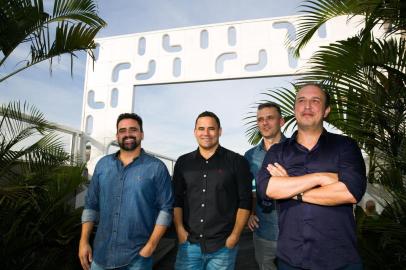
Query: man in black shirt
(212, 200)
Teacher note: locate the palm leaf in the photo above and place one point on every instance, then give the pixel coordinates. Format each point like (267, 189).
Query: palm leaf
(71, 27)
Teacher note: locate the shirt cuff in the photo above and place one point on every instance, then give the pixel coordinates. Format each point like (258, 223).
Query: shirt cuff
(90, 215)
(164, 218)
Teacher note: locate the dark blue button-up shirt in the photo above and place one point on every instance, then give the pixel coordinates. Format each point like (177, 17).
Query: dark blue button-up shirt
(127, 202)
(314, 236)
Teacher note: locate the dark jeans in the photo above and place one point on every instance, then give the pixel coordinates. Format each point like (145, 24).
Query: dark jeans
(284, 266)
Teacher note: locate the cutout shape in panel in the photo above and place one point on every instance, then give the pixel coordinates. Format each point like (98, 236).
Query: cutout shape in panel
(232, 36)
(177, 67)
(322, 31)
(289, 27)
(114, 98)
(142, 46)
(204, 39)
(116, 70)
(293, 61)
(166, 44)
(89, 125)
(260, 64)
(96, 52)
(92, 103)
(222, 58)
(290, 38)
(149, 73)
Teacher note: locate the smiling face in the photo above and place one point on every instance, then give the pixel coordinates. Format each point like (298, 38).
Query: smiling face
(129, 134)
(269, 122)
(310, 108)
(207, 133)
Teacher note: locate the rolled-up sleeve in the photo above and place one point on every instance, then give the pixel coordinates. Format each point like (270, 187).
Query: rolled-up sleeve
(91, 208)
(164, 196)
(352, 170)
(244, 183)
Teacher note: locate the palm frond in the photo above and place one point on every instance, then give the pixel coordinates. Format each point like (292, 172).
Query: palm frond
(71, 27)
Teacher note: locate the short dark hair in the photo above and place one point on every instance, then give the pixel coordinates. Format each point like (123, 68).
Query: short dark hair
(133, 116)
(320, 86)
(270, 105)
(208, 114)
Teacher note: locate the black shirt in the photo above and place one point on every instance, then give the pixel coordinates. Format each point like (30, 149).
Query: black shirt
(210, 193)
(314, 236)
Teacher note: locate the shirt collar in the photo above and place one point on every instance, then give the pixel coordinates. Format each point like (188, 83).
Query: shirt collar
(261, 146)
(219, 151)
(322, 138)
(141, 156)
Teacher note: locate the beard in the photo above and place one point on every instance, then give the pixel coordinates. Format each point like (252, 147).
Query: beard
(128, 146)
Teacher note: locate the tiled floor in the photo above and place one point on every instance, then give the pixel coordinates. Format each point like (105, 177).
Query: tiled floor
(245, 257)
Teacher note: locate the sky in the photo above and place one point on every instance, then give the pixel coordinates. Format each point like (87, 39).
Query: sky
(168, 111)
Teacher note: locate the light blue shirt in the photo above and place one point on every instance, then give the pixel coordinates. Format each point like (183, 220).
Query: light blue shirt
(126, 202)
(264, 210)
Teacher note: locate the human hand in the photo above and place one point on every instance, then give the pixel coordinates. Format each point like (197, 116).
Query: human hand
(182, 235)
(146, 251)
(232, 241)
(253, 222)
(276, 170)
(85, 254)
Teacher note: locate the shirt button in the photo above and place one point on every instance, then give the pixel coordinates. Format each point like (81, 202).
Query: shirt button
(202, 204)
(204, 190)
(201, 220)
(204, 176)
(201, 235)
(207, 161)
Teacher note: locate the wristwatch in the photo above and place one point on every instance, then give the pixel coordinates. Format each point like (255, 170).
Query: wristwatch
(299, 197)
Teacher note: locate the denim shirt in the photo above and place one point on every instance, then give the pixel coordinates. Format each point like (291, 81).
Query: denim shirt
(127, 202)
(264, 209)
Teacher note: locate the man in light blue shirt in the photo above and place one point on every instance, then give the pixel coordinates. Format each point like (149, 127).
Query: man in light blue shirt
(263, 220)
(130, 198)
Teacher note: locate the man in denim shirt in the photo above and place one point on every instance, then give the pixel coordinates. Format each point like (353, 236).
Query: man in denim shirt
(130, 197)
(263, 220)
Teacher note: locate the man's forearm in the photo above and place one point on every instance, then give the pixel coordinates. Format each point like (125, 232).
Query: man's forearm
(157, 233)
(329, 195)
(283, 187)
(240, 222)
(178, 218)
(87, 229)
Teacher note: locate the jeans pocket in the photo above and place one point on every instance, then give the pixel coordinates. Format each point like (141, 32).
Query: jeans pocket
(183, 243)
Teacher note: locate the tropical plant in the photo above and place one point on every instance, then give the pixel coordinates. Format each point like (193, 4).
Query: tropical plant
(25, 24)
(40, 226)
(365, 75)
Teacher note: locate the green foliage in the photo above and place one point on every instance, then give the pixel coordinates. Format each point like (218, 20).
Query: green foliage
(40, 226)
(366, 79)
(71, 27)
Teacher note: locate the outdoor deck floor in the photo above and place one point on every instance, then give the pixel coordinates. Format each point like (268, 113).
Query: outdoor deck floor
(245, 257)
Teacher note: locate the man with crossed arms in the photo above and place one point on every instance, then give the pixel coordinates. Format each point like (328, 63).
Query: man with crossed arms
(316, 176)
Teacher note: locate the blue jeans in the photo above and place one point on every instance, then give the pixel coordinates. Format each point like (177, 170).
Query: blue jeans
(284, 266)
(139, 263)
(190, 257)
